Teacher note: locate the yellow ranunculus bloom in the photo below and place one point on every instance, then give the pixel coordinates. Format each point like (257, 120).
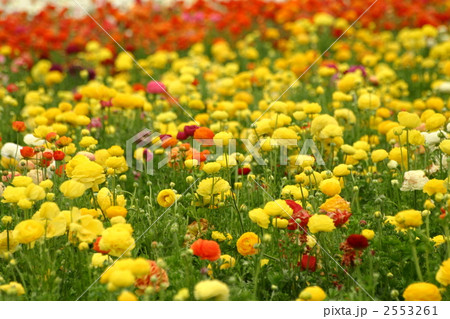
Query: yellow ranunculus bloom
(166, 198)
(320, 223)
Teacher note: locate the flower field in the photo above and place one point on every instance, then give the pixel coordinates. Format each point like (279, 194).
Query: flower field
(226, 150)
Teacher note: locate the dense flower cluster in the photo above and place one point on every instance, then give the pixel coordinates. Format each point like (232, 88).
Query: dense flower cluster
(247, 166)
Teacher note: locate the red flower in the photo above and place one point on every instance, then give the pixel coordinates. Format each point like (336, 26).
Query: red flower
(18, 126)
(299, 217)
(357, 241)
(27, 152)
(12, 88)
(58, 155)
(340, 217)
(77, 96)
(244, 171)
(206, 249)
(308, 262)
(60, 170)
(47, 155)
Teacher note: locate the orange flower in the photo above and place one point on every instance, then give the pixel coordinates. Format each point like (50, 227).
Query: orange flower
(246, 244)
(169, 142)
(206, 249)
(156, 278)
(63, 141)
(18, 126)
(204, 135)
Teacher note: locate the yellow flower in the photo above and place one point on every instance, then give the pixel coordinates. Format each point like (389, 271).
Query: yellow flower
(122, 278)
(313, 293)
(445, 146)
(434, 186)
(312, 108)
(211, 168)
(105, 199)
(368, 233)
(368, 101)
(422, 291)
(330, 187)
(280, 222)
(400, 155)
(13, 194)
(127, 296)
(443, 274)
(13, 288)
(409, 120)
(182, 294)
(28, 231)
(118, 163)
(4, 242)
(222, 138)
(56, 226)
(408, 218)
(118, 240)
(34, 192)
(116, 150)
(245, 244)
(341, 170)
(227, 261)
(99, 260)
(82, 170)
(258, 216)
(116, 211)
(22, 181)
(86, 229)
(278, 207)
(48, 210)
(335, 203)
(295, 192)
(435, 122)
(438, 240)
(87, 141)
(72, 189)
(166, 197)
(211, 290)
(218, 236)
(320, 223)
(213, 186)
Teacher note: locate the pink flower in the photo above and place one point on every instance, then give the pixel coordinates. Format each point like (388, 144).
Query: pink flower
(155, 87)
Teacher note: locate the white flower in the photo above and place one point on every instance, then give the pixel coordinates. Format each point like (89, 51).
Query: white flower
(414, 180)
(434, 138)
(392, 164)
(444, 87)
(11, 150)
(32, 140)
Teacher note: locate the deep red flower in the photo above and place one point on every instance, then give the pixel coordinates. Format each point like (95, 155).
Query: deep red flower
(357, 241)
(244, 170)
(308, 262)
(27, 152)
